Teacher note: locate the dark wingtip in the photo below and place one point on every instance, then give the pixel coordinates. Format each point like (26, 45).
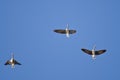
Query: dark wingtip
(54, 30)
(83, 49)
(105, 50)
(75, 31)
(20, 64)
(5, 64)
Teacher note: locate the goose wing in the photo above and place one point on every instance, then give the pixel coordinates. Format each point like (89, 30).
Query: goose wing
(87, 51)
(72, 31)
(16, 62)
(60, 31)
(100, 52)
(7, 63)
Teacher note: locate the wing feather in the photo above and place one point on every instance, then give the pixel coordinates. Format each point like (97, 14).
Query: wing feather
(60, 31)
(17, 62)
(87, 51)
(100, 52)
(72, 31)
(7, 63)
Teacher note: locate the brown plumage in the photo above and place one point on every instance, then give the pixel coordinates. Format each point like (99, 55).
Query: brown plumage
(62, 31)
(98, 52)
(12, 62)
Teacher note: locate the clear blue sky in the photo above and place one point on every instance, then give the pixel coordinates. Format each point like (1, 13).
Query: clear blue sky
(26, 29)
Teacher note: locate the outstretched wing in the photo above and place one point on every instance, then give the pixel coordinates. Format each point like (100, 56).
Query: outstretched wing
(17, 62)
(87, 51)
(7, 63)
(60, 31)
(100, 52)
(72, 31)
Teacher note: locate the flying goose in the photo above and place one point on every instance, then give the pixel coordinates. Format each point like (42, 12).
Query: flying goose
(66, 31)
(93, 52)
(12, 62)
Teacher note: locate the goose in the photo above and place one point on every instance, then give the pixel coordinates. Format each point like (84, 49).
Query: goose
(12, 62)
(66, 31)
(93, 52)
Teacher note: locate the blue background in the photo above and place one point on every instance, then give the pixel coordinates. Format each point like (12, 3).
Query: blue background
(26, 29)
